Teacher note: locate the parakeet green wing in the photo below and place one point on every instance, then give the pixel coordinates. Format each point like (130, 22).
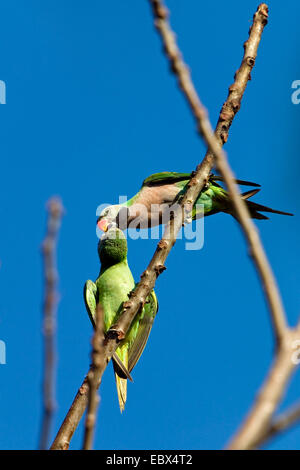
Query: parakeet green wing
(90, 298)
(150, 310)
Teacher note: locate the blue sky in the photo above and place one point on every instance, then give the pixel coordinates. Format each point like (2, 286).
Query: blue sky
(92, 109)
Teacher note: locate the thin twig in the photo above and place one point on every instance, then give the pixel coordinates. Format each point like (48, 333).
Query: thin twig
(55, 210)
(93, 378)
(200, 177)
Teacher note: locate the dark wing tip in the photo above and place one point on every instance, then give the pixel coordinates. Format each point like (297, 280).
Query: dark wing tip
(120, 368)
(241, 182)
(248, 183)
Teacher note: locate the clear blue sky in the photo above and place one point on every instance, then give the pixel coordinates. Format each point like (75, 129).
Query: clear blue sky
(92, 109)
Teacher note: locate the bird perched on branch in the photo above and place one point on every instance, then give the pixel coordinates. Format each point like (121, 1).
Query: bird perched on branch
(110, 290)
(149, 206)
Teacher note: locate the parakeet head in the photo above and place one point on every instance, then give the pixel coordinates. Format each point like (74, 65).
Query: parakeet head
(117, 214)
(112, 247)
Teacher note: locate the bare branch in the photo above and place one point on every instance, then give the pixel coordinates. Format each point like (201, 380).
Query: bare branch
(55, 210)
(196, 184)
(93, 378)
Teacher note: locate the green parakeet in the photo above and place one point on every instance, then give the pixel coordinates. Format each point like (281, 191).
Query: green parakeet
(111, 289)
(157, 193)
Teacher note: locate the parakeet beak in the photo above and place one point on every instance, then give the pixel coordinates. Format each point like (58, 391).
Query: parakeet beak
(103, 225)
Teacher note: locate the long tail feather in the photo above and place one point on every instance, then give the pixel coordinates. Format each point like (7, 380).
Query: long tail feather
(253, 206)
(122, 391)
(121, 383)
